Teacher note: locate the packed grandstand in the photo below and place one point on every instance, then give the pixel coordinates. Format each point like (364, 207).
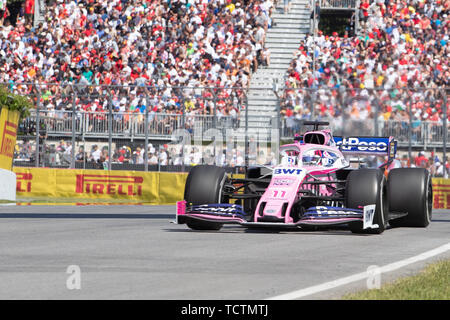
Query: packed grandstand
(157, 54)
(153, 43)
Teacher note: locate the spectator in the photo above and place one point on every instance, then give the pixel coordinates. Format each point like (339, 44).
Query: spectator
(287, 6)
(152, 159)
(421, 161)
(81, 155)
(4, 12)
(163, 157)
(67, 154)
(29, 11)
(439, 170)
(95, 153)
(138, 156)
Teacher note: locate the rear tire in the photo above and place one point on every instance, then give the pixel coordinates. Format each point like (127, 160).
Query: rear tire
(410, 190)
(365, 187)
(204, 185)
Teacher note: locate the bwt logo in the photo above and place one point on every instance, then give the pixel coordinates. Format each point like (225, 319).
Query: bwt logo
(23, 183)
(348, 144)
(287, 171)
(101, 184)
(8, 139)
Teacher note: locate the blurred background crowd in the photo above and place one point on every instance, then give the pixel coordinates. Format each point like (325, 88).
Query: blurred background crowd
(133, 43)
(179, 46)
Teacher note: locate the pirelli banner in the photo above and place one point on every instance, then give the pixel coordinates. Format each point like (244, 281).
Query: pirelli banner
(145, 187)
(441, 193)
(8, 133)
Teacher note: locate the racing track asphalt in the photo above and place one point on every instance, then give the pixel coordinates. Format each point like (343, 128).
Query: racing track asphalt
(133, 252)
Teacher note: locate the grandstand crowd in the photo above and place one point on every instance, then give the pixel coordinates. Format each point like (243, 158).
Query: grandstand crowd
(403, 45)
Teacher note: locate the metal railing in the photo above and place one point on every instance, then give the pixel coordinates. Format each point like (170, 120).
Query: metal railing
(161, 126)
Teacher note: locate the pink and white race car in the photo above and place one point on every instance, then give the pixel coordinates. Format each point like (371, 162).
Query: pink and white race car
(314, 186)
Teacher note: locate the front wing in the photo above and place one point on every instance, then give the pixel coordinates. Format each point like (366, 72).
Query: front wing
(314, 216)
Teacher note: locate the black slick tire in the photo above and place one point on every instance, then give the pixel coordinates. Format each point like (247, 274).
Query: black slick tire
(410, 191)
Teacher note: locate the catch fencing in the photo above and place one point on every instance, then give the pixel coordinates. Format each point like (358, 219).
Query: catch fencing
(160, 128)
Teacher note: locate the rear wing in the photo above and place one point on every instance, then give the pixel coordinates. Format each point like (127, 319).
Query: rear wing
(382, 146)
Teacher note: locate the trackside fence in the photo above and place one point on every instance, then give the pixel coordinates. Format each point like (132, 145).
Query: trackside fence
(173, 128)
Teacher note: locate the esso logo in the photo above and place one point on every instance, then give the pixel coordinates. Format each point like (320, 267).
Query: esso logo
(350, 143)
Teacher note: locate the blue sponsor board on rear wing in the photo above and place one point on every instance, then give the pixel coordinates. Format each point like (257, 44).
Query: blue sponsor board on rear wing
(368, 145)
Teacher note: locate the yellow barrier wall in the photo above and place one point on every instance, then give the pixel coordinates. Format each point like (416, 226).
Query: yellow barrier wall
(9, 121)
(148, 187)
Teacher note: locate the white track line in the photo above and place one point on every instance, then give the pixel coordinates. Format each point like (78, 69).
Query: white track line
(360, 276)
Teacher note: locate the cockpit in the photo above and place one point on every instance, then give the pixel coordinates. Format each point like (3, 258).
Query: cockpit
(319, 157)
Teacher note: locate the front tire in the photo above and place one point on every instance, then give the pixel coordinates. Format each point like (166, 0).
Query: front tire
(366, 187)
(204, 185)
(410, 190)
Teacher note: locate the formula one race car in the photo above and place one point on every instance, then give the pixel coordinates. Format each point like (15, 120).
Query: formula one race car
(314, 186)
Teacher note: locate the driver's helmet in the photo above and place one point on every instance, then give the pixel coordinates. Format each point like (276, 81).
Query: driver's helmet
(318, 155)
